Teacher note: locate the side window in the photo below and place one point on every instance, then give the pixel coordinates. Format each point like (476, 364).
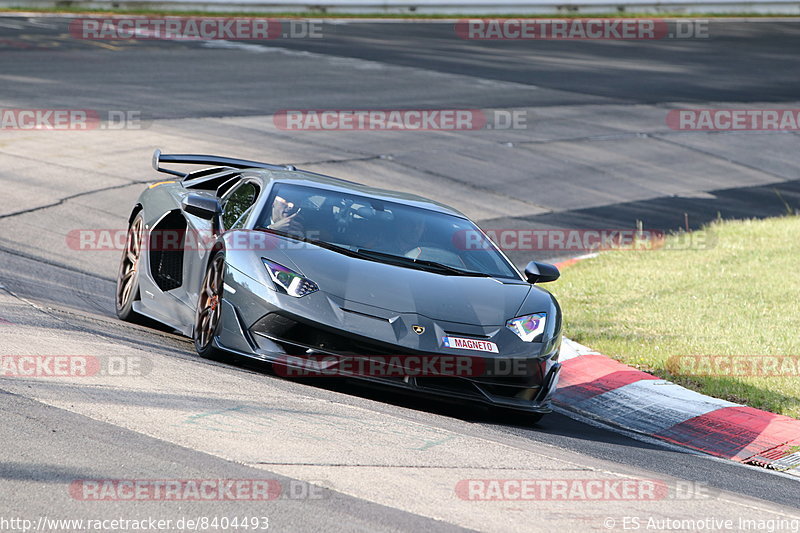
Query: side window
(227, 185)
(238, 202)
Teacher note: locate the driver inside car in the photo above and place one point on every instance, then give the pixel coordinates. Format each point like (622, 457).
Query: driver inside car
(283, 216)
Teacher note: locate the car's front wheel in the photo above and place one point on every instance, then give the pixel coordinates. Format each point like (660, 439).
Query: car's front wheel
(128, 276)
(209, 309)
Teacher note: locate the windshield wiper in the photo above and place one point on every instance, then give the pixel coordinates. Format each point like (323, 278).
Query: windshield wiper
(321, 244)
(441, 267)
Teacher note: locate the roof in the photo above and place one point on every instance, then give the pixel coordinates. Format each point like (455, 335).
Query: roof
(312, 179)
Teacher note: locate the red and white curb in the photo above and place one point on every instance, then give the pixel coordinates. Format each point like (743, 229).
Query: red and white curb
(600, 388)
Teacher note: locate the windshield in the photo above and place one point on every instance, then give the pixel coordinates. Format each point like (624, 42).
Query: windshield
(382, 231)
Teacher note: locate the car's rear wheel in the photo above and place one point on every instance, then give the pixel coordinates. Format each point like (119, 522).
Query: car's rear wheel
(209, 308)
(128, 276)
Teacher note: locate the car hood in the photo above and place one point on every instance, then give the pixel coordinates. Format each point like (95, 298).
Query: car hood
(464, 299)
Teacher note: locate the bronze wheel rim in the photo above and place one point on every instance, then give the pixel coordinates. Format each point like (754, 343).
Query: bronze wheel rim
(126, 281)
(208, 304)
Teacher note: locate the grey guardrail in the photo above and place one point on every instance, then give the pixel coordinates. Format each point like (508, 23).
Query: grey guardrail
(442, 7)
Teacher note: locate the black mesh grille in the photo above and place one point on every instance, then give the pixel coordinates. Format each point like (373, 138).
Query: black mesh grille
(297, 337)
(167, 240)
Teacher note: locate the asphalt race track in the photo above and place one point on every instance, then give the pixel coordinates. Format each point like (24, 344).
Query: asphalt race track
(595, 152)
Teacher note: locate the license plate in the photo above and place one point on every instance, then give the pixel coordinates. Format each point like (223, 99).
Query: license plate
(462, 343)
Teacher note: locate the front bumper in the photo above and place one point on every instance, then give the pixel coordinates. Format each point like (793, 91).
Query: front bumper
(278, 330)
(306, 349)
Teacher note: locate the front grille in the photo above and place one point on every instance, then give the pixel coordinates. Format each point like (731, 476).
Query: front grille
(468, 335)
(298, 337)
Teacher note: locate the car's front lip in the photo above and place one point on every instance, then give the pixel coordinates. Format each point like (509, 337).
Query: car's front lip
(540, 402)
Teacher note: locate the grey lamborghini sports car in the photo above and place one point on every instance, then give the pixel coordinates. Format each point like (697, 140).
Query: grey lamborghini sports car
(322, 276)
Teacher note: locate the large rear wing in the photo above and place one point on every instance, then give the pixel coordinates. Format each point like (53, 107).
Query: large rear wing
(213, 160)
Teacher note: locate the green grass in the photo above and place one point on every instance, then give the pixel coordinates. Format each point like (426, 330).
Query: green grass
(739, 296)
(410, 15)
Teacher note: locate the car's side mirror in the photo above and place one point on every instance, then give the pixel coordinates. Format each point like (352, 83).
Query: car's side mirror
(201, 206)
(537, 272)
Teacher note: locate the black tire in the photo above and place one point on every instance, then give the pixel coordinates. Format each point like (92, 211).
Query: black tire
(127, 290)
(209, 309)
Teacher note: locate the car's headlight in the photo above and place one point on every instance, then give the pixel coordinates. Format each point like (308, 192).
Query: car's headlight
(289, 281)
(528, 327)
